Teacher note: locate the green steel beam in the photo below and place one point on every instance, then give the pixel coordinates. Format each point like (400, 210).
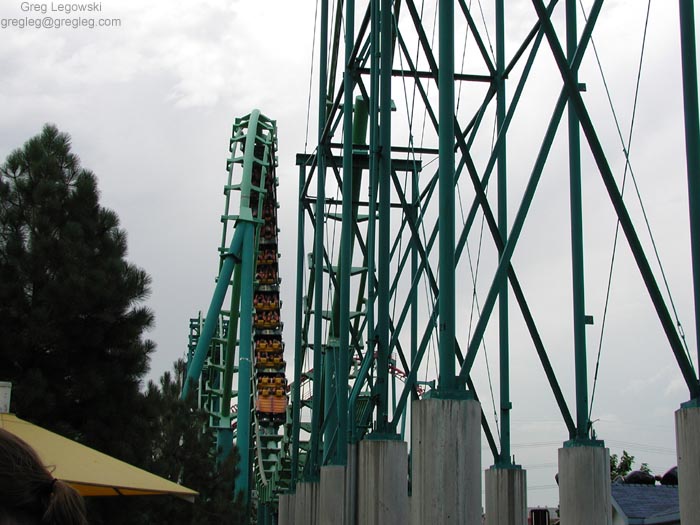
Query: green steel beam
(504, 267)
(477, 37)
(224, 436)
(330, 417)
(337, 31)
(346, 238)
(212, 318)
(374, 151)
(413, 296)
(503, 322)
(299, 342)
(245, 368)
(446, 133)
(577, 264)
(692, 145)
(384, 209)
(313, 460)
(518, 292)
(230, 259)
(623, 215)
(516, 286)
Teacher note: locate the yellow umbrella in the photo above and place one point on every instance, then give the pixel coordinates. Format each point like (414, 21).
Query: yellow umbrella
(90, 472)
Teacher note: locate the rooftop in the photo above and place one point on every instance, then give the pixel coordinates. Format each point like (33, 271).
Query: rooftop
(646, 504)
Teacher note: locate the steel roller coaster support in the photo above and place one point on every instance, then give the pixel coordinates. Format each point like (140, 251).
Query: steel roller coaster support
(401, 236)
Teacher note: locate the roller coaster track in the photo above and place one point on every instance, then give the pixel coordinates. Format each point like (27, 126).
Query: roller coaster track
(242, 346)
(249, 279)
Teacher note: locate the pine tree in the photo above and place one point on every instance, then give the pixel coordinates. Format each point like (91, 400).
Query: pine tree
(71, 339)
(182, 450)
(70, 313)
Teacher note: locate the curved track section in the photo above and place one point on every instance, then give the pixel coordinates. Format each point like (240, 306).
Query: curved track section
(236, 352)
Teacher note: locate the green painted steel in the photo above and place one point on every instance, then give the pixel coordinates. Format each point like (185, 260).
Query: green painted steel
(692, 145)
(582, 424)
(529, 193)
(342, 331)
(384, 210)
(503, 319)
(378, 321)
(313, 470)
(245, 368)
(214, 364)
(197, 363)
(300, 344)
(446, 133)
(623, 215)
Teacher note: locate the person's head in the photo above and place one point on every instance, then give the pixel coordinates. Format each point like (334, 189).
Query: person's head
(29, 494)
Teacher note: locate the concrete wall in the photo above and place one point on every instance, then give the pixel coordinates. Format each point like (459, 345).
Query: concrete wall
(446, 462)
(332, 504)
(285, 515)
(688, 450)
(506, 496)
(382, 494)
(306, 504)
(584, 485)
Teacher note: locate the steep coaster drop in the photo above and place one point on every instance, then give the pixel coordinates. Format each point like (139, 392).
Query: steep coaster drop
(249, 279)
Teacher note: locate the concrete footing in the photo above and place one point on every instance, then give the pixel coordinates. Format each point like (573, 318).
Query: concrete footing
(338, 492)
(332, 504)
(584, 485)
(351, 481)
(382, 494)
(506, 496)
(446, 462)
(306, 504)
(285, 513)
(688, 450)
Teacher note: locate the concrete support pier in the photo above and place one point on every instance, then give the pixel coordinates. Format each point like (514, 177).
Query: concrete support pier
(506, 496)
(332, 503)
(446, 461)
(382, 494)
(584, 485)
(306, 504)
(338, 492)
(285, 514)
(688, 451)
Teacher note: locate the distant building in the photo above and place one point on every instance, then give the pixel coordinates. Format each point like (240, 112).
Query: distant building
(645, 504)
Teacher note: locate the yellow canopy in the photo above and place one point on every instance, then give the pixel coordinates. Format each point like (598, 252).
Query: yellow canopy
(90, 472)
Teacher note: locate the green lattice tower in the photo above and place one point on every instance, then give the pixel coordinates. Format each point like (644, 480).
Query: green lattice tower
(235, 351)
(372, 292)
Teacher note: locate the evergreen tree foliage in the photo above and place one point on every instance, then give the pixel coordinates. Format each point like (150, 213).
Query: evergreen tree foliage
(72, 324)
(182, 450)
(70, 312)
(186, 453)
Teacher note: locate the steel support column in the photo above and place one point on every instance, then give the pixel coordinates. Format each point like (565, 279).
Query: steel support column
(245, 368)
(346, 241)
(384, 244)
(299, 344)
(692, 145)
(596, 148)
(319, 262)
(503, 322)
(446, 382)
(577, 266)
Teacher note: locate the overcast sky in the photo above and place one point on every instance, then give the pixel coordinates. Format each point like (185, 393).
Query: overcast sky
(150, 101)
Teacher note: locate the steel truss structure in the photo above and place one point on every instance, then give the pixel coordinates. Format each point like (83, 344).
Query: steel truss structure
(379, 294)
(384, 289)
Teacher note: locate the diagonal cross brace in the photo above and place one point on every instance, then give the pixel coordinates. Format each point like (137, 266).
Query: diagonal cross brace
(596, 147)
